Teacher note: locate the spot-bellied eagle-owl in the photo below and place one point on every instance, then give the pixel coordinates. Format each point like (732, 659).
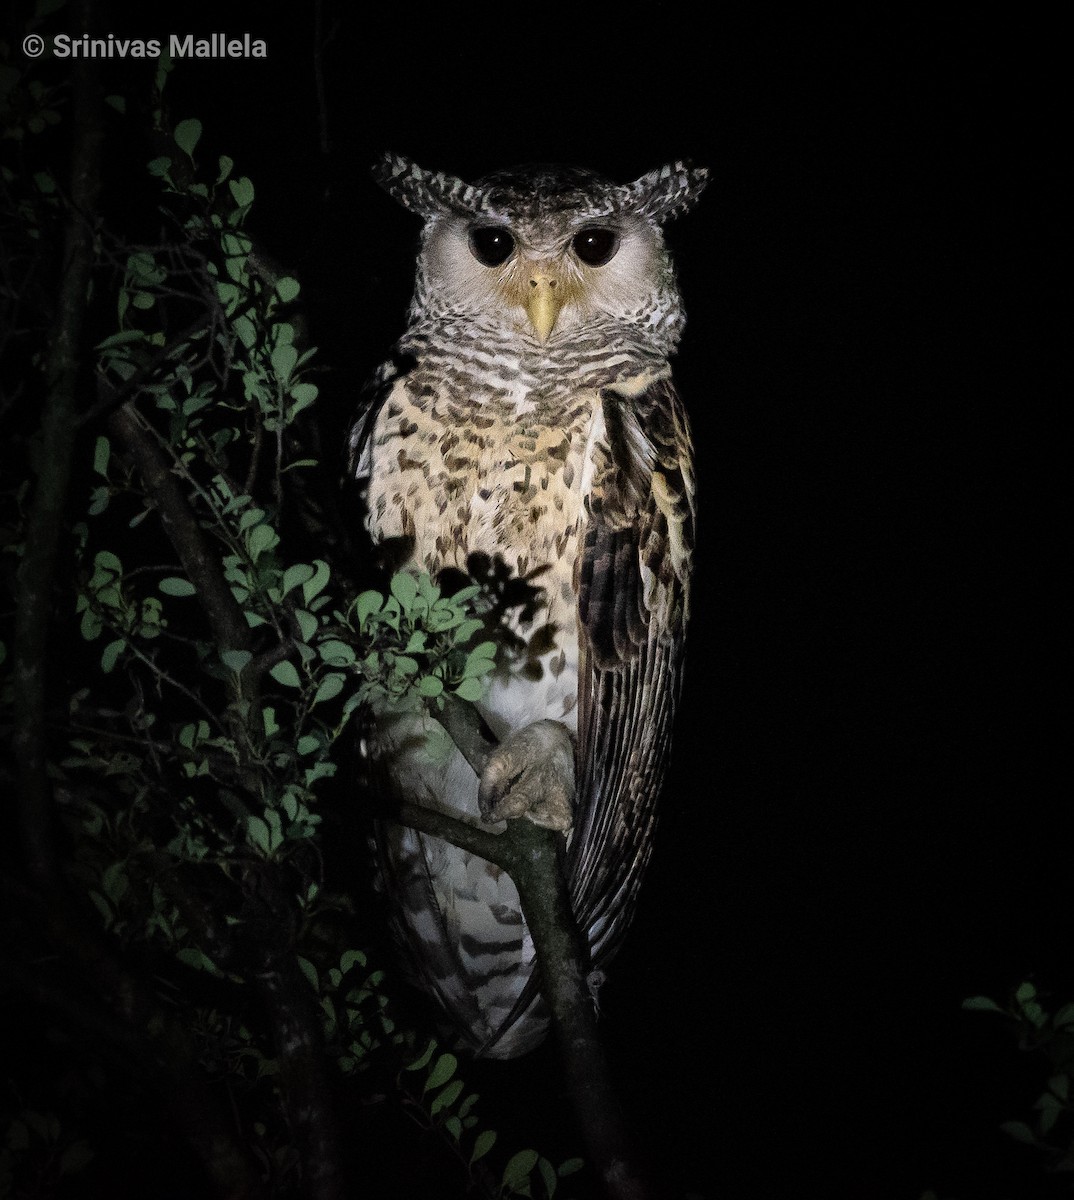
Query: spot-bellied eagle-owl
(529, 418)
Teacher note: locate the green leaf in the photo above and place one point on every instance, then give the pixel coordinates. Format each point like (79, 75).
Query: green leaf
(190, 732)
(110, 654)
(428, 590)
(307, 623)
(351, 958)
(1020, 1131)
(329, 688)
(283, 361)
(519, 1167)
(90, 626)
(242, 191)
(1026, 991)
(548, 1174)
(187, 135)
(1033, 1013)
(981, 1004)
(144, 269)
(236, 245)
(430, 685)
(245, 331)
(470, 689)
(101, 454)
(441, 1072)
(447, 1097)
(114, 881)
(467, 629)
(228, 295)
(262, 538)
(367, 604)
(484, 1143)
(336, 653)
(303, 395)
(321, 575)
(404, 589)
(250, 518)
(294, 575)
(124, 338)
(287, 288)
(235, 660)
(173, 585)
(285, 673)
(105, 560)
(570, 1167)
(198, 959)
(257, 833)
(310, 972)
(418, 1063)
(1064, 1017)
(476, 665)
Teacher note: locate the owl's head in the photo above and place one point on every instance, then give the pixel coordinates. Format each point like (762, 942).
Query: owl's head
(546, 252)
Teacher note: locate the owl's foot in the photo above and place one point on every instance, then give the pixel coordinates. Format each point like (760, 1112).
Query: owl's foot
(531, 774)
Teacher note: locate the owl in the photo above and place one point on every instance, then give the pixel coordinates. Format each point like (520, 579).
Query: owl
(527, 422)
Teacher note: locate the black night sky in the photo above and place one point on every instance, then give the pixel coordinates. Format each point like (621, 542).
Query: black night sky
(861, 828)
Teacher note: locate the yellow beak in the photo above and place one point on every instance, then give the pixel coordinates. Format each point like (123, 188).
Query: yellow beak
(544, 301)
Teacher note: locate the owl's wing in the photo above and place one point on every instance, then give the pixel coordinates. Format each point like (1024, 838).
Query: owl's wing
(374, 393)
(632, 578)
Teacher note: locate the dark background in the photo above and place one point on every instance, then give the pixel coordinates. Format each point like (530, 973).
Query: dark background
(861, 828)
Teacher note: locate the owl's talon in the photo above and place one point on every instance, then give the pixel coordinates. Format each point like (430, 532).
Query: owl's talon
(531, 774)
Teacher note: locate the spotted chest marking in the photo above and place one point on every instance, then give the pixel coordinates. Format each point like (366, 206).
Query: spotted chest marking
(499, 472)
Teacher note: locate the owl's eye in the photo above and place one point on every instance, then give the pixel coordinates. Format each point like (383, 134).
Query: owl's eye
(595, 247)
(491, 245)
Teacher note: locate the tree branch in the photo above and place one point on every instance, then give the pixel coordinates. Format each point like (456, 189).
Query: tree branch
(533, 857)
(46, 516)
(201, 563)
(562, 952)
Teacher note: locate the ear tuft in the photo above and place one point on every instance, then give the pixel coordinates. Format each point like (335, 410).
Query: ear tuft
(423, 192)
(665, 193)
